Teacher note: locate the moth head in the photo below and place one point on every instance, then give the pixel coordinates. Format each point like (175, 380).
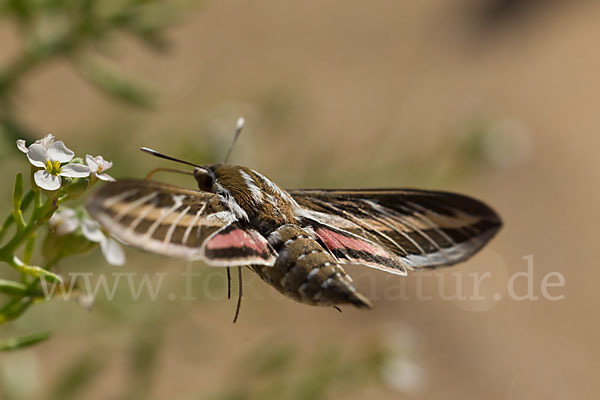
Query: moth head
(205, 178)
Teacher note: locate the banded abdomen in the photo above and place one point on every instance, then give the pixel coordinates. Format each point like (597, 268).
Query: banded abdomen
(306, 272)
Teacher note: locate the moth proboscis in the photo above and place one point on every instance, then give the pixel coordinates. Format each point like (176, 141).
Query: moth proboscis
(295, 240)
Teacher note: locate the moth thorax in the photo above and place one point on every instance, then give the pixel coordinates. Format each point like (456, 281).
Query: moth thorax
(253, 196)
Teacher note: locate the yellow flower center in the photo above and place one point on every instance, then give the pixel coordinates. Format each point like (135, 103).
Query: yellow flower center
(53, 167)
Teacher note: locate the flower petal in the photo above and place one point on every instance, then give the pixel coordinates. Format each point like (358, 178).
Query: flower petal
(75, 171)
(67, 226)
(86, 301)
(37, 155)
(64, 221)
(91, 231)
(59, 152)
(22, 146)
(91, 162)
(46, 181)
(105, 177)
(112, 252)
(56, 219)
(68, 213)
(106, 164)
(46, 141)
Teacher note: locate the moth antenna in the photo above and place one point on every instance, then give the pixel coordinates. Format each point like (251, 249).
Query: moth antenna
(239, 301)
(166, 157)
(240, 125)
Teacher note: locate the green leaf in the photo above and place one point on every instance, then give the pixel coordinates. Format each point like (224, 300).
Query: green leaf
(14, 308)
(24, 341)
(34, 271)
(18, 192)
(39, 272)
(116, 84)
(13, 288)
(77, 376)
(17, 201)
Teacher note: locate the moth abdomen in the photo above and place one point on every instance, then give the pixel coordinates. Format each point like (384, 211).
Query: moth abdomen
(306, 272)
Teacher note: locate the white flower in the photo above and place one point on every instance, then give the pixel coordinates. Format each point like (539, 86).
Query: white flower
(404, 375)
(50, 159)
(399, 370)
(64, 221)
(67, 220)
(97, 166)
(110, 248)
(46, 141)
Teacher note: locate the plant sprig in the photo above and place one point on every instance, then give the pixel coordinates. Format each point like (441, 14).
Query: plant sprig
(79, 32)
(57, 176)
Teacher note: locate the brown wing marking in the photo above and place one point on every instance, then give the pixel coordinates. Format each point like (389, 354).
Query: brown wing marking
(425, 229)
(157, 217)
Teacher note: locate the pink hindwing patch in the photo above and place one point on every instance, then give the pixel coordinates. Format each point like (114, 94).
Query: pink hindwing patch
(233, 246)
(352, 248)
(236, 238)
(338, 241)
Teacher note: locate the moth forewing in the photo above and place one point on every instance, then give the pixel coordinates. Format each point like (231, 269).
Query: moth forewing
(158, 217)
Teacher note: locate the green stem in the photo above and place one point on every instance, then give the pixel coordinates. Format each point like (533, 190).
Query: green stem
(9, 220)
(13, 308)
(7, 224)
(33, 270)
(39, 216)
(29, 247)
(37, 196)
(24, 295)
(17, 201)
(27, 200)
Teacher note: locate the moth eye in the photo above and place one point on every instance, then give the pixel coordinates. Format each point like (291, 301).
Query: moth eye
(204, 178)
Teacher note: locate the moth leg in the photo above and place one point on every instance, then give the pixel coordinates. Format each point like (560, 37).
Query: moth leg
(228, 284)
(174, 170)
(337, 308)
(239, 301)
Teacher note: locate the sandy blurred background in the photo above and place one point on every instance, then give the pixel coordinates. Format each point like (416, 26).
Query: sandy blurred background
(496, 99)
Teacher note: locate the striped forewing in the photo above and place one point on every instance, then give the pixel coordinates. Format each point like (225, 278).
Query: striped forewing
(424, 229)
(158, 217)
